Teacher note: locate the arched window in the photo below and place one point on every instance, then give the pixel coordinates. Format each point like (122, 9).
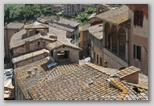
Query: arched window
(114, 38)
(107, 35)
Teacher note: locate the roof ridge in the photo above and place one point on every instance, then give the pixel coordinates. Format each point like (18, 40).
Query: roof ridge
(96, 67)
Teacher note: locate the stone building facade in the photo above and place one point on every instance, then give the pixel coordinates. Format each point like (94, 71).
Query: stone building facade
(125, 37)
(71, 9)
(138, 54)
(70, 26)
(96, 35)
(30, 58)
(9, 30)
(62, 51)
(84, 41)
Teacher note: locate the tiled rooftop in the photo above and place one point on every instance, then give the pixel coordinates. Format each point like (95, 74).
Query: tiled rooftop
(19, 42)
(96, 31)
(128, 71)
(29, 55)
(36, 25)
(68, 22)
(83, 83)
(26, 82)
(115, 16)
(57, 44)
(61, 27)
(69, 81)
(64, 24)
(17, 37)
(14, 25)
(61, 34)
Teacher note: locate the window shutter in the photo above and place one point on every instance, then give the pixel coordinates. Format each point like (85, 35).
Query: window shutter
(141, 18)
(135, 17)
(139, 53)
(134, 51)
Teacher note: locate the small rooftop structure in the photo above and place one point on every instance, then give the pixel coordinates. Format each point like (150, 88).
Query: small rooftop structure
(19, 42)
(36, 25)
(57, 44)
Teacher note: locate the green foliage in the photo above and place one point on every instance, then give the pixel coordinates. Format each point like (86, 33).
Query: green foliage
(115, 5)
(83, 17)
(24, 12)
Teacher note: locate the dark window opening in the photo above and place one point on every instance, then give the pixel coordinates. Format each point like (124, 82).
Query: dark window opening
(63, 54)
(94, 55)
(137, 52)
(136, 90)
(138, 18)
(97, 58)
(38, 43)
(44, 43)
(100, 61)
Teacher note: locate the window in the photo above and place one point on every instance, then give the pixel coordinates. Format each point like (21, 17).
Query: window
(94, 55)
(138, 18)
(97, 58)
(137, 52)
(44, 43)
(38, 43)
(100, 61)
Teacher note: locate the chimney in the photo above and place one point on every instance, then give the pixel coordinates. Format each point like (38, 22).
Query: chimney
(130, 74)
(29, 74)
(35, 71)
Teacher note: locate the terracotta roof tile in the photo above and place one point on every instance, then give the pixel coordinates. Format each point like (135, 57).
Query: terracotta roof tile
(58, 43)
(128, 71)
(18, 42)
(69, 81)
(29, 55)
(36, 25)
(115, 16)
(14, 25)
(96, 31)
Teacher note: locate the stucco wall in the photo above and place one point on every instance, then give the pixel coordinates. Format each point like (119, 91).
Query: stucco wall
(32, 46)
(139, 37)
(73, 53)
(113, 61)
(7, 36)
(30, 60)
(19, 51)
